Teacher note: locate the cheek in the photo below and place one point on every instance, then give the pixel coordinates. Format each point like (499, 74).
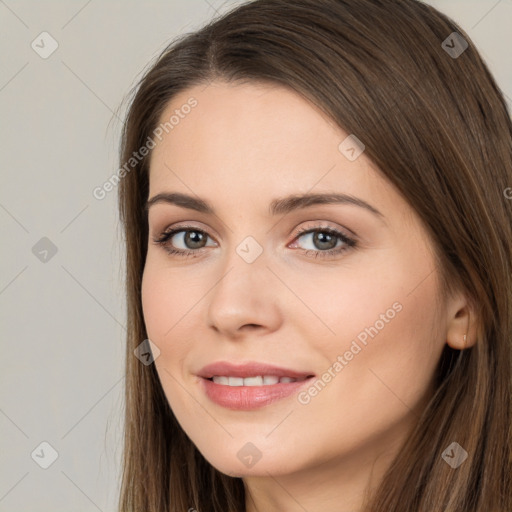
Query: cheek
(156, 300)
(385, 347)
(166, 306)
(165, 303)
(382, 314)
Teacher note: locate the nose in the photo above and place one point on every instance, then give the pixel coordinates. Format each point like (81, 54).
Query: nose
(245, 298)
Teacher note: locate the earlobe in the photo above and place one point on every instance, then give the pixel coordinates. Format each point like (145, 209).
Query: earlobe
(466, 343)
(461, 333)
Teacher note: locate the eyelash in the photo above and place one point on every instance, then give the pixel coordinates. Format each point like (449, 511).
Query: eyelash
(350, 243)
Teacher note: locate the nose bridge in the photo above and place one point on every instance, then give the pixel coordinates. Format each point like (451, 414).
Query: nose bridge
(244, 271)
(244, 293)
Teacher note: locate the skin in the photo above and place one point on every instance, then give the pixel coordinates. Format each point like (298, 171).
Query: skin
(242, 146)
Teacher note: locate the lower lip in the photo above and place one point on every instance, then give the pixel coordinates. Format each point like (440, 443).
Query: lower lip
(246, 398)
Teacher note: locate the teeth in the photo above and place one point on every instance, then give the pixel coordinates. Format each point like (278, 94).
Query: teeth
(259, 380)
(236, 381)
(253, 381)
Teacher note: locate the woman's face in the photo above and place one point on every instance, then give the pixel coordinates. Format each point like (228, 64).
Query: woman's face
(341, 291)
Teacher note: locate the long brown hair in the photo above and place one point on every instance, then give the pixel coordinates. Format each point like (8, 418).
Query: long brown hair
(436, 124)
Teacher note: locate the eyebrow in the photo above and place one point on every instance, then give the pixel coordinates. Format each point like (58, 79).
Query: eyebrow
(279, 206)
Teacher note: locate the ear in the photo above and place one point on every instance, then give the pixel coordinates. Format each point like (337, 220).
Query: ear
(462, 330)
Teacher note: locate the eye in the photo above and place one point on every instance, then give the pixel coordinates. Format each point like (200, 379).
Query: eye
(324, 241)
(320, 241)
(183, 241)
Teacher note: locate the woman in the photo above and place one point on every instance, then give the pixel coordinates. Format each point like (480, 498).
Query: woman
(318, 266)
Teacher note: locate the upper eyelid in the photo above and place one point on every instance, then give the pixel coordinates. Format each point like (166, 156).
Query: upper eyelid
(177, 229)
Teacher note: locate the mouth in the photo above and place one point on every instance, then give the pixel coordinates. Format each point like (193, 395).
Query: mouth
(251, 371)
(258, 380)
(251, 385)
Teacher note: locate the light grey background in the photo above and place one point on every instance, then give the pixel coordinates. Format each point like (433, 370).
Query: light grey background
(63, 319)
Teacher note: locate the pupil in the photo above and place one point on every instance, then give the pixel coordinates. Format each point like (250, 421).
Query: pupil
(321, 238)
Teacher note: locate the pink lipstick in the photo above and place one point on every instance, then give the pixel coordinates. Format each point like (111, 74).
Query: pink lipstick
(250, 385)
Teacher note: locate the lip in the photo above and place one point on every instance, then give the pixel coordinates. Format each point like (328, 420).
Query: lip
(249, 369)
(245, 398)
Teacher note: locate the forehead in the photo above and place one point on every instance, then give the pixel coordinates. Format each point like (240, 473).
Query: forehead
(252, 114)
(250, 122)
(254, 140)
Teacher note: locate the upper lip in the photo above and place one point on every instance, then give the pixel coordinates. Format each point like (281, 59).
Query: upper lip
(249, 369)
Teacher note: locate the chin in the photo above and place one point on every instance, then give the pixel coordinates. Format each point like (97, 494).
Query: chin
(241, 465)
